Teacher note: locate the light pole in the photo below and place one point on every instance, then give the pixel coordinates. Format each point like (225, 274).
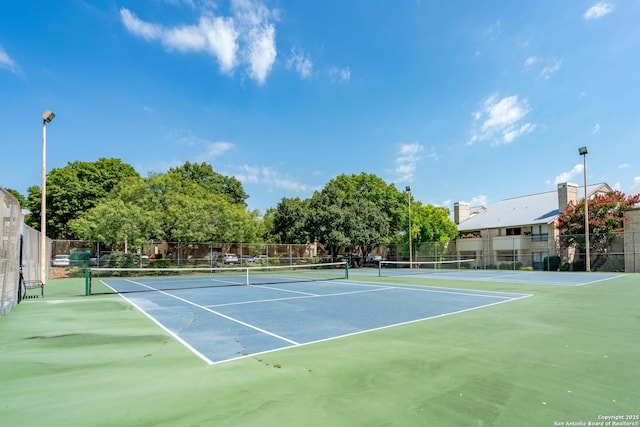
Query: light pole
(583, 152)
(408, 190)
(47, 116)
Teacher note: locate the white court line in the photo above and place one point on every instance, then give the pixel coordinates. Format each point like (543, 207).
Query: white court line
(435, 289)
(382, 327)
(248, 325)
(376, 288)
(600, 280)
(307, 296)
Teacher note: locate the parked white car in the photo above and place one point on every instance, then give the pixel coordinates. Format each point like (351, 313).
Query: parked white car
(60, 261)
(371, 257)
(230, 259)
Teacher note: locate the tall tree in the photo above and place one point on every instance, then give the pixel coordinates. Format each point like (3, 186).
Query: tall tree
(73, 190)
(430, 224)
(115, 222)
(355, 211)
(177, 207)
(214, 182)
(289, 223)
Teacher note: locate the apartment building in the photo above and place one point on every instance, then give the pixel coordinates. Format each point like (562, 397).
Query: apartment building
(518, 230)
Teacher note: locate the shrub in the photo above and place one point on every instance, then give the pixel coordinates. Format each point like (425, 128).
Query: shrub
(510, 266)
(160, 263)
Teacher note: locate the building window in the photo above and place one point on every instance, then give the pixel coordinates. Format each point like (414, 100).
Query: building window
(538, 260)
(540, 233)
(506, 256)
(514, 231)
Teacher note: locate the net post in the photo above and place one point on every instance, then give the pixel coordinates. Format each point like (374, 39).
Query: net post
(346, 270)
(87, 282)
(247, 276)
(379, 268)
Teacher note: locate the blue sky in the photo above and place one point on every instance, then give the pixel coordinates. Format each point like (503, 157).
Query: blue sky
(463, 101)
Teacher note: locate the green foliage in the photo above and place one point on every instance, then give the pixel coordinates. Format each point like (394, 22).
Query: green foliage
(510, 265)
(160, 263)
(181, 205)
(358, 212)
(354, 211)
(215, 183)
(290, 221)
(113, 221)
(430, 224)
(606, 217)
(75, 189)
(118, 259)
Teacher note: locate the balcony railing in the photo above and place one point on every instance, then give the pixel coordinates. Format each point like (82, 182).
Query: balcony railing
(507, 243)
(469, 244)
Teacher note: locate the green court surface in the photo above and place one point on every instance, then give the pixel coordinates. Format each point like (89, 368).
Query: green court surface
(565, 354)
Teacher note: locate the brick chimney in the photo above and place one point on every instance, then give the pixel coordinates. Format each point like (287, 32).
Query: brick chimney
(461, 211)
(567, 193)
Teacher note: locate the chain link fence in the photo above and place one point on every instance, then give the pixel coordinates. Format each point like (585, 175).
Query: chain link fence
(615, 252)
(9, 251)
(611, 252)
(19, 254)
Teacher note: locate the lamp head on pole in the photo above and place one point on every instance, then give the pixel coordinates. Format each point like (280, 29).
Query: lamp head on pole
(407, 189)
(583, 151)
(47, 116)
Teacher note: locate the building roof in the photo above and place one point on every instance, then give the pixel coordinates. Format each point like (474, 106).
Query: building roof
(534, 209)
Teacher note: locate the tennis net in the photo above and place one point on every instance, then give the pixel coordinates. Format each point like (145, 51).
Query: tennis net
(395, 268)
(100, 280)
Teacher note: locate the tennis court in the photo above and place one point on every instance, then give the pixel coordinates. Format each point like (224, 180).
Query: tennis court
(564, 353)
(467, 270)
(221, 322)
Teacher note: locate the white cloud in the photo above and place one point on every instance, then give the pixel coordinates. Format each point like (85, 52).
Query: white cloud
(502, 120)
(268, 176)
(598, 10)
(9, 64)
(480, 200)
(247, 37)
(624, 166)
(339, 75)
(567, 176)
(262, 52)
(216, 149)
(140, 28)
(301, 63)
(596, 129)
(406, 161)
(550, 70)
(530, 61)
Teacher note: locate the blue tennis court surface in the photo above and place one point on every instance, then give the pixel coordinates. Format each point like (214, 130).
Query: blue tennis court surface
(225, 323)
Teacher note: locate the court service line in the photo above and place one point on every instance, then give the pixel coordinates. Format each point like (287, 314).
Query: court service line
(600, 280)
(298, 297)
(408, 322)
(465, 292)
(501, 276)
(240, 322)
